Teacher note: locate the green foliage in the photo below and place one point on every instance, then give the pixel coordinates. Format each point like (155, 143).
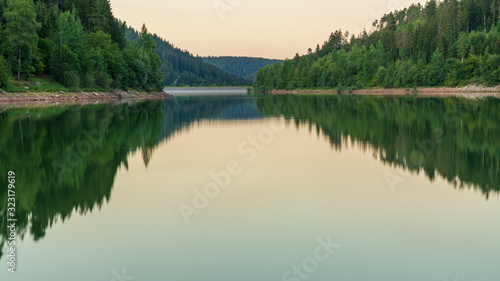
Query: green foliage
(436, 69)
(453, 42)
(80, 41)
(21, 35)
(82, 45)
(47, 84)
(182, 68)
(105, 57)
(4, 72)
(153, 77)
(240, 66)
(96, 16)
(68, 50)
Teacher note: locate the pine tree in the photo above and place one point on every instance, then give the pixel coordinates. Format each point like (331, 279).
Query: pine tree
(68, 50)
(151, 61)
(436, 69)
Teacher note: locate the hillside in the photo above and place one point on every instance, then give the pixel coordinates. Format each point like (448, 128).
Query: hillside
(77, 43)
(240, 66)
(450, 43)
(80, 45)
(182, 68)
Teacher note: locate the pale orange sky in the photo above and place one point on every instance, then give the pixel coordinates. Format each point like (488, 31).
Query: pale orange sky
(259, 28)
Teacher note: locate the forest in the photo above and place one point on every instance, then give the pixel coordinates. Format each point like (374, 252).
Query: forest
(77, 42)
(442, 43)
(245, 67)
(181, 68)
(81, 45)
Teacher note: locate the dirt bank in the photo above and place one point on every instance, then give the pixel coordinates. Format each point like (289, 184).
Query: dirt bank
(32, 97)
(469, 91)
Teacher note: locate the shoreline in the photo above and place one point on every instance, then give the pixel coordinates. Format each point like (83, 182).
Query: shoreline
(80, 96)
(469, 91)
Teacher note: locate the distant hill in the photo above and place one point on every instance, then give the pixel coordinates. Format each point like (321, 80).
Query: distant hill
(180, 67)
(240, 66)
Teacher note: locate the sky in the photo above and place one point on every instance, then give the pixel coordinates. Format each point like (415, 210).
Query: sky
(258, 28)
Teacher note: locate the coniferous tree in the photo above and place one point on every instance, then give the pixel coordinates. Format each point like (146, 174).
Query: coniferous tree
(68, 50)
(449, 42)
(152, 78)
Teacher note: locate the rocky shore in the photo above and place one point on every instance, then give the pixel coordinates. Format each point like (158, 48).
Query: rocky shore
(468, 91)
(36, 97)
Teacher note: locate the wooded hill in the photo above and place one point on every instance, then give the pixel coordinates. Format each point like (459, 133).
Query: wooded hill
(81, 45)
(451, 43)
(180, 68)
(245, 67)
(78, 42)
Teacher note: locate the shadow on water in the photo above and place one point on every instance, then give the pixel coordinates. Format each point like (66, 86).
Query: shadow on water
(66, 158)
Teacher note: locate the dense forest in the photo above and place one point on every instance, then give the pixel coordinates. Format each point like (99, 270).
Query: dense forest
(450, 42)
(81, 45)
(181, 68)
(78, 42)
(245, 67)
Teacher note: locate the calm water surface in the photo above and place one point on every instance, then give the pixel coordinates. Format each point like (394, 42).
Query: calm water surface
(255, 188)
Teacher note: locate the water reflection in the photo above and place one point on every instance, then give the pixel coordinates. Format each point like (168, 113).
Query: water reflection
(455, 138)
(66, 158)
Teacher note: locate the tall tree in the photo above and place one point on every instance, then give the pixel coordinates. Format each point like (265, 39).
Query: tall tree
(21, 34)
(152, 62)
(68, 50)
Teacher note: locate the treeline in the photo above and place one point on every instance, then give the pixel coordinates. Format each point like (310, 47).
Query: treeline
(78, 42)
(181, 68)
(450, 42)
(240, 66)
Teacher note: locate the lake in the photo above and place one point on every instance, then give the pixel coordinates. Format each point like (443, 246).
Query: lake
(193, 188)
(215, 91)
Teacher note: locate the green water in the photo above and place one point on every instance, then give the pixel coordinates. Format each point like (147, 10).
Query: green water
(254, 188)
